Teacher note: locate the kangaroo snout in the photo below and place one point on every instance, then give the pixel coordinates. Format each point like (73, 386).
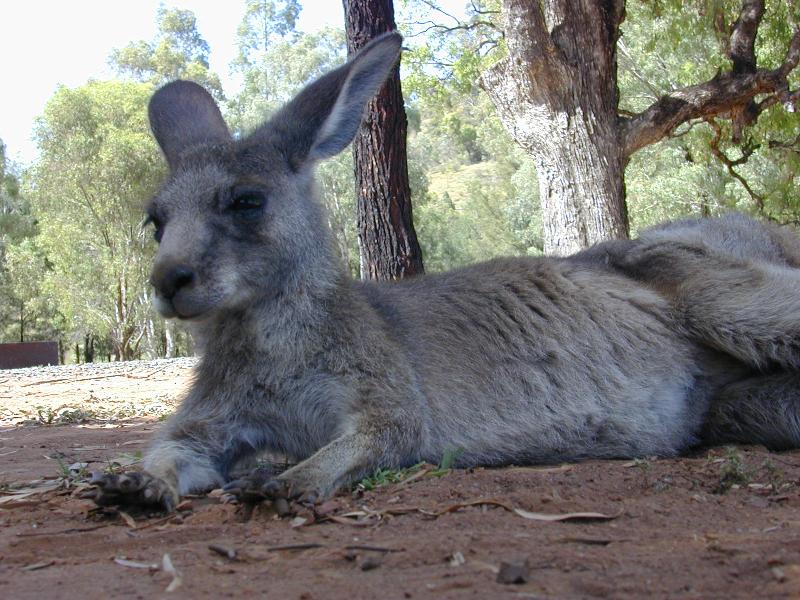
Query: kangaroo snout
(170, 280)
(176, 292)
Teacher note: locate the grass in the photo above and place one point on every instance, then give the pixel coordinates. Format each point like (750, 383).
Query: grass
(776, 477)
(71, 415)
(123, 462)
(733, 471)
(63, 415)
(382, 477)
(72, 473)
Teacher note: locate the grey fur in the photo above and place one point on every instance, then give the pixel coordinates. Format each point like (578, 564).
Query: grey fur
(735, 284)
(618, 351)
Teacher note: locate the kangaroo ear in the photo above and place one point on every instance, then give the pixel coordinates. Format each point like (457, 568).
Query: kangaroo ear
(183, 114)
(324, 117)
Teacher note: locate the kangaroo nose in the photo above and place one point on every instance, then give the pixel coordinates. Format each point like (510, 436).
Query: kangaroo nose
(173, 280)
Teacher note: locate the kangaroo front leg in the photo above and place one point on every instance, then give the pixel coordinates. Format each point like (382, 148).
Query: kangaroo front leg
(185, 459)
(345, 460)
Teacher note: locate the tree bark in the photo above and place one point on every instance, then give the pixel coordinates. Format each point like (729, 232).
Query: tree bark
(387, 239)
(556, 93)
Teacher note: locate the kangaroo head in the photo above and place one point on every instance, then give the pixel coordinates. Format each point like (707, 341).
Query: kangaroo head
(236, 220)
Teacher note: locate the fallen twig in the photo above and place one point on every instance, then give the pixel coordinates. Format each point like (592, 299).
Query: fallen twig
(146, 375)
(70, 379)
(373, 548)
(170, 569)
(154, 522)
(63, 531)
(37, 566)
(124, 562)
(364, 517)
(294, 547)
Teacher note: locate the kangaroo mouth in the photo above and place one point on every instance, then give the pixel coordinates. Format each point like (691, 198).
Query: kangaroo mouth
(181, 307)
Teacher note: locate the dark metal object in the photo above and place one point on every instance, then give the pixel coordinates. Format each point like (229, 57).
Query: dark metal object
(28, 354)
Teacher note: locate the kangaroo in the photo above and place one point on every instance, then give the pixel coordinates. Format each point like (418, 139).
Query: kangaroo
(734, 282)
(607, 353)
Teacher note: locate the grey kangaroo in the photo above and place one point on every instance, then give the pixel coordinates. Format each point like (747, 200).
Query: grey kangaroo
(631, 348)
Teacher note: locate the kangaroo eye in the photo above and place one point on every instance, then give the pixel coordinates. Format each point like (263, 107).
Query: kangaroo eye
(158, 226)
(247, 200)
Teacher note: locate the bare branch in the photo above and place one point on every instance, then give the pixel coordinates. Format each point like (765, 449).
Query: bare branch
(438, 9)
(793, 54)
(630, 65)
(731, 164)
(478, 11)
(720, 95)
(488, 44)
(433, 26)
(794, 145)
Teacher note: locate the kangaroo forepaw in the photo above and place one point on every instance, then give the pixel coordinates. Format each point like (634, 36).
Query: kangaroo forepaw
(136, 488)
(258, 485)
(262, 484)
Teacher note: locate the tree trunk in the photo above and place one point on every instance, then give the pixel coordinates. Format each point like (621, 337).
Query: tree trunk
(387, 239)
(169, 342)
(556, 93)
(88, 348)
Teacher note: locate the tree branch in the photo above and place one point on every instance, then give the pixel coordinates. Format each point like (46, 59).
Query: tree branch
(731, 164)
(793, 145)
(731, 94)
(433, 26)
(742, 46)
(438, 9)
(742, 52)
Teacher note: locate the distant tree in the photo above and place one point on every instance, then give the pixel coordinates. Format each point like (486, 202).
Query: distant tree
(16, 225)
(475, 191)
(275, 60)
(265, 23)
(387, 239)
(98, 165)
(177, 52)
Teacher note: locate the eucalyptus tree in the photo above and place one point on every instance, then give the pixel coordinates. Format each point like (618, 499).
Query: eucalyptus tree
(178, 51)
(98, 164)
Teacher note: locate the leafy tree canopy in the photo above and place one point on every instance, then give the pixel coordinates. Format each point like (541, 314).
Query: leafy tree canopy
(177, 52)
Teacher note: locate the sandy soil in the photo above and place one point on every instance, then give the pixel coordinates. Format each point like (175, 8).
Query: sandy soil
(723, 523)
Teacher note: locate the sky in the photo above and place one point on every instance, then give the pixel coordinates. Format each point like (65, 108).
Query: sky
(47, 43)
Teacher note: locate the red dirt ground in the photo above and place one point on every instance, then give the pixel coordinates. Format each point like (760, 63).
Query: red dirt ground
(723, 523)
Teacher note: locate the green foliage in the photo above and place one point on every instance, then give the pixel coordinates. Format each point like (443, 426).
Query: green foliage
(275, 63)
(667, 45)
(449, 458)
(733, 471)
(475, 212)
(454, 51)
(265, 22)
(475, 192)
(24, 313)
(382, 477)
(177, 52)
(336, 185)
(98, 165)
